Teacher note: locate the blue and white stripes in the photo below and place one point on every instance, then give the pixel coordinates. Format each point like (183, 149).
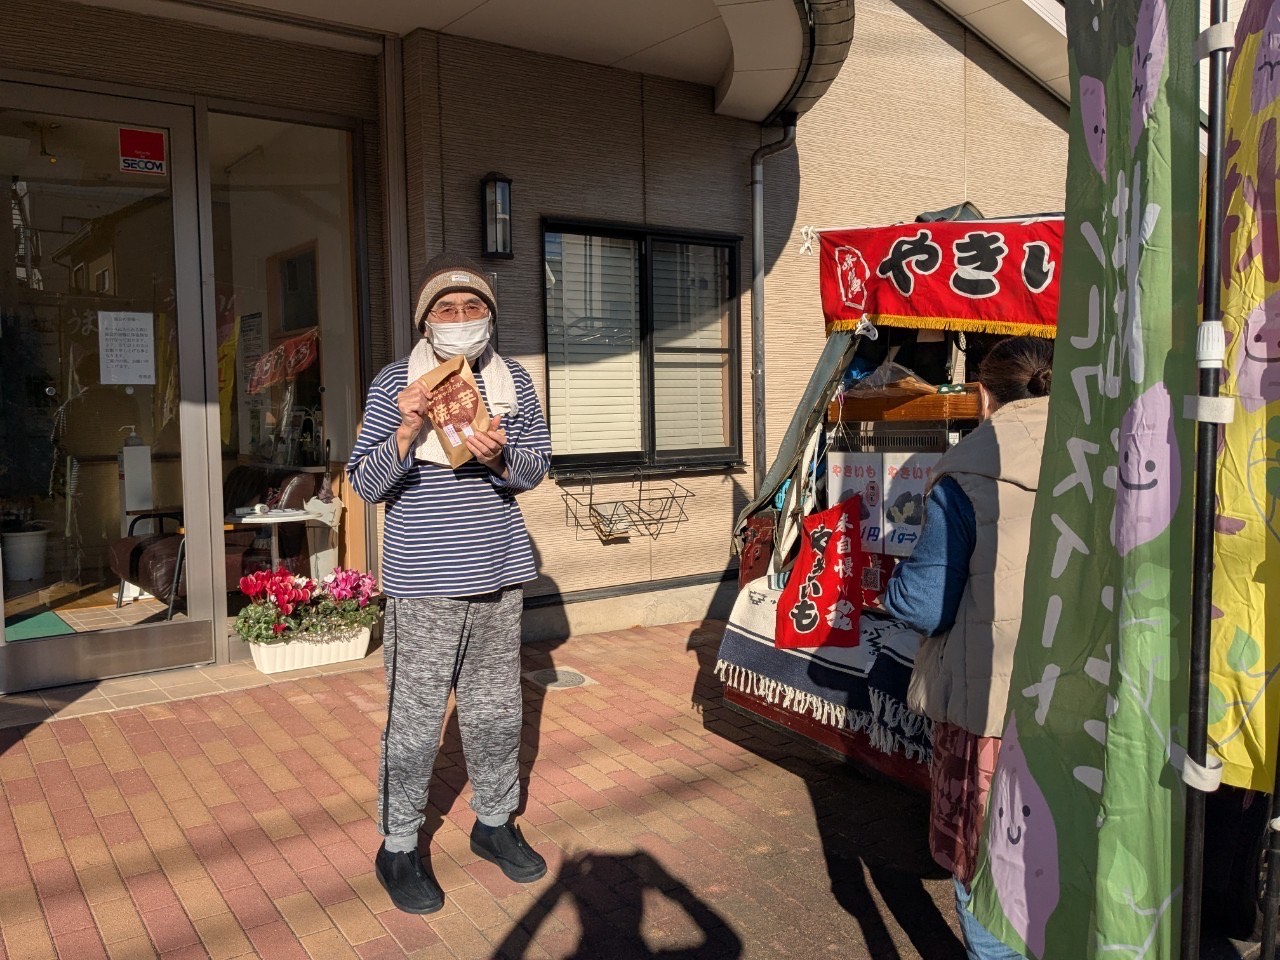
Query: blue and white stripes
(449, 533)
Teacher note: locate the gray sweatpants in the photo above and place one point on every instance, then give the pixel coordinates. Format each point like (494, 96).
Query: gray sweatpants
(432, 645)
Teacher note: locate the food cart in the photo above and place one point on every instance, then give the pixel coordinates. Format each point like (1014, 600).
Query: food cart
(910, 310)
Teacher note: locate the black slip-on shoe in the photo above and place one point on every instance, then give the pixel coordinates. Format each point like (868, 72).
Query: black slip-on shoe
(407, 882)
(506, 847)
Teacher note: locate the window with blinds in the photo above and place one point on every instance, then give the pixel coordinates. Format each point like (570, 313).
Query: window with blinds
(642, 356)
(593, 344)
(691, 306)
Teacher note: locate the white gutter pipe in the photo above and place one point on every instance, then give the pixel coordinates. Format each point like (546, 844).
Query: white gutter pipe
(759, 464)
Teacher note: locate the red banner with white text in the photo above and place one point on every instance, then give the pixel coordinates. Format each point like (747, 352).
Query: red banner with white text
(974, 276)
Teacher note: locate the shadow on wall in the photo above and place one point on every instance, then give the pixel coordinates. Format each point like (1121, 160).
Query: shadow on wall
(599, 326)
(781, 208)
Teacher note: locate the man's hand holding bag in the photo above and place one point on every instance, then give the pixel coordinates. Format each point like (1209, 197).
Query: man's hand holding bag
(454, 407)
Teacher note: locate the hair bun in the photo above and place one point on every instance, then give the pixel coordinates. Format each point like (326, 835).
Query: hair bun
(1040, 382)
(1017, 368)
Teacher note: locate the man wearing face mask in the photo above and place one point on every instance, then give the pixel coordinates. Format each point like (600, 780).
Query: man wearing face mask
(455, 555)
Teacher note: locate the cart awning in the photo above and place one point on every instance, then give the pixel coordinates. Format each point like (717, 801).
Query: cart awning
(975, 276)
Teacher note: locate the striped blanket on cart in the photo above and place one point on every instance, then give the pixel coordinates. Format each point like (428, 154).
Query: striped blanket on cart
(862, 688)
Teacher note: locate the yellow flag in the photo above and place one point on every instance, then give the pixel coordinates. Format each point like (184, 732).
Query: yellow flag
(1244, 700)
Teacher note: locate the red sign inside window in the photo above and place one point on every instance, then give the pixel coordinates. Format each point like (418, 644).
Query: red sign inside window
(142, 151)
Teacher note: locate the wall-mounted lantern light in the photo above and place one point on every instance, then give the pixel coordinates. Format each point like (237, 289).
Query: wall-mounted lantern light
(495, 199)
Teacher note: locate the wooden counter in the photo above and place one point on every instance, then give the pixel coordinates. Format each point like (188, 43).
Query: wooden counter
(918, 407)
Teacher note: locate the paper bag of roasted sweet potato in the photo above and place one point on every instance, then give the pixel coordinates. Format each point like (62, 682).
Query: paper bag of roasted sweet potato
(456, 410)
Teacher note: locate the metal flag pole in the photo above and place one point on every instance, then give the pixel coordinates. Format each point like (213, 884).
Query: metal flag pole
(1271, 899)
(1210, 349)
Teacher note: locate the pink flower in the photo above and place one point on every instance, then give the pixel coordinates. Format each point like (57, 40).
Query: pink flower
(346, 584)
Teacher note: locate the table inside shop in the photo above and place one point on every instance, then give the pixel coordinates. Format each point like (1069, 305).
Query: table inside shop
(273, 520)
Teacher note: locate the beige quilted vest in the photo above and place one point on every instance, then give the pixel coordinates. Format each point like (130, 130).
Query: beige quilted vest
(962, 677)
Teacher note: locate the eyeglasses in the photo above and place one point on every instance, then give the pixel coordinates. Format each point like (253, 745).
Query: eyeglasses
(472, 310)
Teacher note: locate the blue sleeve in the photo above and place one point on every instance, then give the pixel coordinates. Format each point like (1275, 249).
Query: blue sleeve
(375, 468)
(925, 589)
(528, 450)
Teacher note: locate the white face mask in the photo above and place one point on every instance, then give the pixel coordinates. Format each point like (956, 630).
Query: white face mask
(469, 338)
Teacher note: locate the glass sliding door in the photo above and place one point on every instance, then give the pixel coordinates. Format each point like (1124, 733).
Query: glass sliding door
(105, 522)
(284, 258)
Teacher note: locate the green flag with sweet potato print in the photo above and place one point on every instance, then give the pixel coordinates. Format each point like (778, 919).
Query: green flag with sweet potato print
(1082, 856)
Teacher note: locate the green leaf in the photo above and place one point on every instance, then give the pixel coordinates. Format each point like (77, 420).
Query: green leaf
(1217, 705)
(1153, 578)
(1243, 652)
(1125, 871)
(1273, 482)
(1273, 429)
(1168, 665)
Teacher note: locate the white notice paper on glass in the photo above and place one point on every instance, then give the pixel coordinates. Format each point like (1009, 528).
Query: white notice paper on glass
(127, 347)
(254, 407)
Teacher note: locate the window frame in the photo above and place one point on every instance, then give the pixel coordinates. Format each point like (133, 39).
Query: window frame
(649, 458)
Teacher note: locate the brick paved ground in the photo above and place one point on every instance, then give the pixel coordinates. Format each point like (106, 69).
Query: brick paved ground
(238, 824)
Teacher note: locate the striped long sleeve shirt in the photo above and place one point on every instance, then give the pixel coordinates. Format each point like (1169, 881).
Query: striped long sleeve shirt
(449, 533)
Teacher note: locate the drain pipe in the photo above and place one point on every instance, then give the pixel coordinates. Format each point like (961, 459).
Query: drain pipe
(788, 140)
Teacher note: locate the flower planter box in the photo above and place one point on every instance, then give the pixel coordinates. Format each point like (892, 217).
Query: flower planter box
(300, 654)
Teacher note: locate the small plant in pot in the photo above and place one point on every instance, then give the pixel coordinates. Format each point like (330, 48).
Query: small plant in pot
(18, 516)
(293, 622)
(23, 541)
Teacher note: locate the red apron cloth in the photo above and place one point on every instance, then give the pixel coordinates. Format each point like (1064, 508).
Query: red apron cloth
(822, 602)
(960, 774)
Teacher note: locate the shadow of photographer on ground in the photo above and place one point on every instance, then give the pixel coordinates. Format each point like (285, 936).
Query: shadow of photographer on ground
(617, 930)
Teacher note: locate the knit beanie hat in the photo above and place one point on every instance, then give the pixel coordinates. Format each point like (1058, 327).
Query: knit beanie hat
(448, 274)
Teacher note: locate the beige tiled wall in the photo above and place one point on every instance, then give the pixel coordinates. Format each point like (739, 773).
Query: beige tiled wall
(96, 43)
(587, 143)
(923, 116)
(143, 54)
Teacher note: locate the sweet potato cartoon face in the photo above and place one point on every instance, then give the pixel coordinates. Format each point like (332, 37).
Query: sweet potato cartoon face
(1093, 115)
(1024, 845)
(1149, 474)
(1150, 49)
(1257, 359)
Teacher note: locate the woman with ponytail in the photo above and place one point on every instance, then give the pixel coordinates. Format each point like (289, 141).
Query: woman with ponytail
(962, 591)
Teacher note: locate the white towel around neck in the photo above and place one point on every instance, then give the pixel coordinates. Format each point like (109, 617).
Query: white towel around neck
(500, 392)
